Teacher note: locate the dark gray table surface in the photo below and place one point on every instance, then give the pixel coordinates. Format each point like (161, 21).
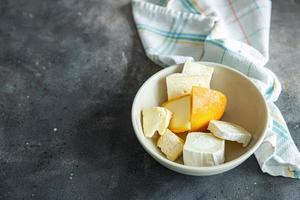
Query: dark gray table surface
(69, 71)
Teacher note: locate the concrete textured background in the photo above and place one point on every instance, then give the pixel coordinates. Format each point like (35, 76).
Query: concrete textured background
(69, 70)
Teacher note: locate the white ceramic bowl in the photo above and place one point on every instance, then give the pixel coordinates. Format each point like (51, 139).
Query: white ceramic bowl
(246, 107)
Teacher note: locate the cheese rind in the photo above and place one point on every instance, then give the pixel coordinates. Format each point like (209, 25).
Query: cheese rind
(207, 104)
(155, 119)
(181, 110)
(171, 145)
(230, 131)
(203, 149)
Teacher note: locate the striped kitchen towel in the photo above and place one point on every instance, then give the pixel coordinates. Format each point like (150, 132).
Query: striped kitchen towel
(231, 32)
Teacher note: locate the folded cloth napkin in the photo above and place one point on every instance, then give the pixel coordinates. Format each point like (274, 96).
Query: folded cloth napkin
(231, 32)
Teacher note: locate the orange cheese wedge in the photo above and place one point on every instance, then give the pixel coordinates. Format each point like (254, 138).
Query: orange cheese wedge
(207, 104)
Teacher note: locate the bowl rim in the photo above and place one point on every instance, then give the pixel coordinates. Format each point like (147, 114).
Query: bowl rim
(220, 167)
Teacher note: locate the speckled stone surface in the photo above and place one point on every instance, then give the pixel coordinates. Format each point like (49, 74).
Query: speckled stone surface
(69, 71)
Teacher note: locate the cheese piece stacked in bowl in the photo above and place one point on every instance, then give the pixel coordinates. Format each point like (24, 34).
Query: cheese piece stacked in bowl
(187, 126)
(191, 111)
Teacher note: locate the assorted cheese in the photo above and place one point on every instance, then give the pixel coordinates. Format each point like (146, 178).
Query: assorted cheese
(229, 131)
(192, 107)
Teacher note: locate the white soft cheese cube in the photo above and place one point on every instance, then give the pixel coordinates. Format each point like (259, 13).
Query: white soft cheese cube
(181, 84)
(155, 119)
(229, 131)
(203, 149)
(194, 68)
(171, 145)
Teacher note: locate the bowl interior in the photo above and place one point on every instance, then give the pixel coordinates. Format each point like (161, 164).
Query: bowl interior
(245, 106)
